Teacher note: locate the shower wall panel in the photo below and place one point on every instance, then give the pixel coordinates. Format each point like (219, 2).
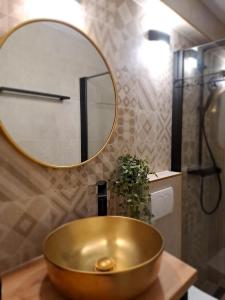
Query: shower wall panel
(203, 236)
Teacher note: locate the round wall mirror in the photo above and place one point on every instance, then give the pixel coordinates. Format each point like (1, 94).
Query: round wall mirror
(57, 94)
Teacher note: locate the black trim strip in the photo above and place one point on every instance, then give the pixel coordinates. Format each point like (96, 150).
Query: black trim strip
(83, 119)
(177, 110)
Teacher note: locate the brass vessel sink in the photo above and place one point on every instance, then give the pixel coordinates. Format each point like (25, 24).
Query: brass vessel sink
(103, 258)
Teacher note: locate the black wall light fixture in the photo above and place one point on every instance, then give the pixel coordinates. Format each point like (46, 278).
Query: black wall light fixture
(155, 35)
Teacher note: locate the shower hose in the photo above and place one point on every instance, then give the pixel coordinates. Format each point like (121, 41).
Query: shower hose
(220, 192)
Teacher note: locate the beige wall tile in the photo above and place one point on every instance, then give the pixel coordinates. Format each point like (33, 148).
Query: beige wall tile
(143, 128)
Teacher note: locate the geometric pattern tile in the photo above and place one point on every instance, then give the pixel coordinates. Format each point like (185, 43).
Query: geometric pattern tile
(35, 199)
(25, 225)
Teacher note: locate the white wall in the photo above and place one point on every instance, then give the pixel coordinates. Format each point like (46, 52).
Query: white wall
(47, 57)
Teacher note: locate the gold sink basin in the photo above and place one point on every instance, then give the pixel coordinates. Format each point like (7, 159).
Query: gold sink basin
(103, 258)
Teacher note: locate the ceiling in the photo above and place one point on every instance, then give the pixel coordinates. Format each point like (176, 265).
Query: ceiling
(217, 7)
(200, 20)
(157, 9)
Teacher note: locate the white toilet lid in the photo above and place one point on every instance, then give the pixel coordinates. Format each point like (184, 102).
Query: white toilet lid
(196, 294)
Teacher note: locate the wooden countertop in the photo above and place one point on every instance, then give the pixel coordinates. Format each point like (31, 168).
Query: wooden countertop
(163, 175)
(30, 281)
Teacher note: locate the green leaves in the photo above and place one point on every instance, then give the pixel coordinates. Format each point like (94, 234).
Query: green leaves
(130, 182)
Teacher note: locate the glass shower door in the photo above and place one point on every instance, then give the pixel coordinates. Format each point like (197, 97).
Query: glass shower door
(199, 104)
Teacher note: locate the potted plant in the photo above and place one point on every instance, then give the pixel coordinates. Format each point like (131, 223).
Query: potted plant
(130, 183)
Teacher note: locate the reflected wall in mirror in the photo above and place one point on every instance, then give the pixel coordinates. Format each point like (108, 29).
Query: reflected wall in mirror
(57, 95)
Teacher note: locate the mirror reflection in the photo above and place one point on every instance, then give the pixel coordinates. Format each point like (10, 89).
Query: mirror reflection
(57, 98)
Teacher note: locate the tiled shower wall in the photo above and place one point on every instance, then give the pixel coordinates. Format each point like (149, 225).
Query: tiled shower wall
(35, 199)
(195, 239)
(203, 235)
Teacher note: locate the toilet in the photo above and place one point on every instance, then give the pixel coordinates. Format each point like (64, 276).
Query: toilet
(196, 294)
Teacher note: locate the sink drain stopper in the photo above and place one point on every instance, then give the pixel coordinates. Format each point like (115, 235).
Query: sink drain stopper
(105, 264)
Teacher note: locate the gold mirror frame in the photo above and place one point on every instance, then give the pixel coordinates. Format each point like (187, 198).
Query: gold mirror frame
(3, 129)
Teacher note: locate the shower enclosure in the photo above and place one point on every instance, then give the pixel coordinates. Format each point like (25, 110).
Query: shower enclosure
(97, 108)
(198, 150)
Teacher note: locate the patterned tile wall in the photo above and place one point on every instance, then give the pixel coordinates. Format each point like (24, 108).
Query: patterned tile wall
(35, 199)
